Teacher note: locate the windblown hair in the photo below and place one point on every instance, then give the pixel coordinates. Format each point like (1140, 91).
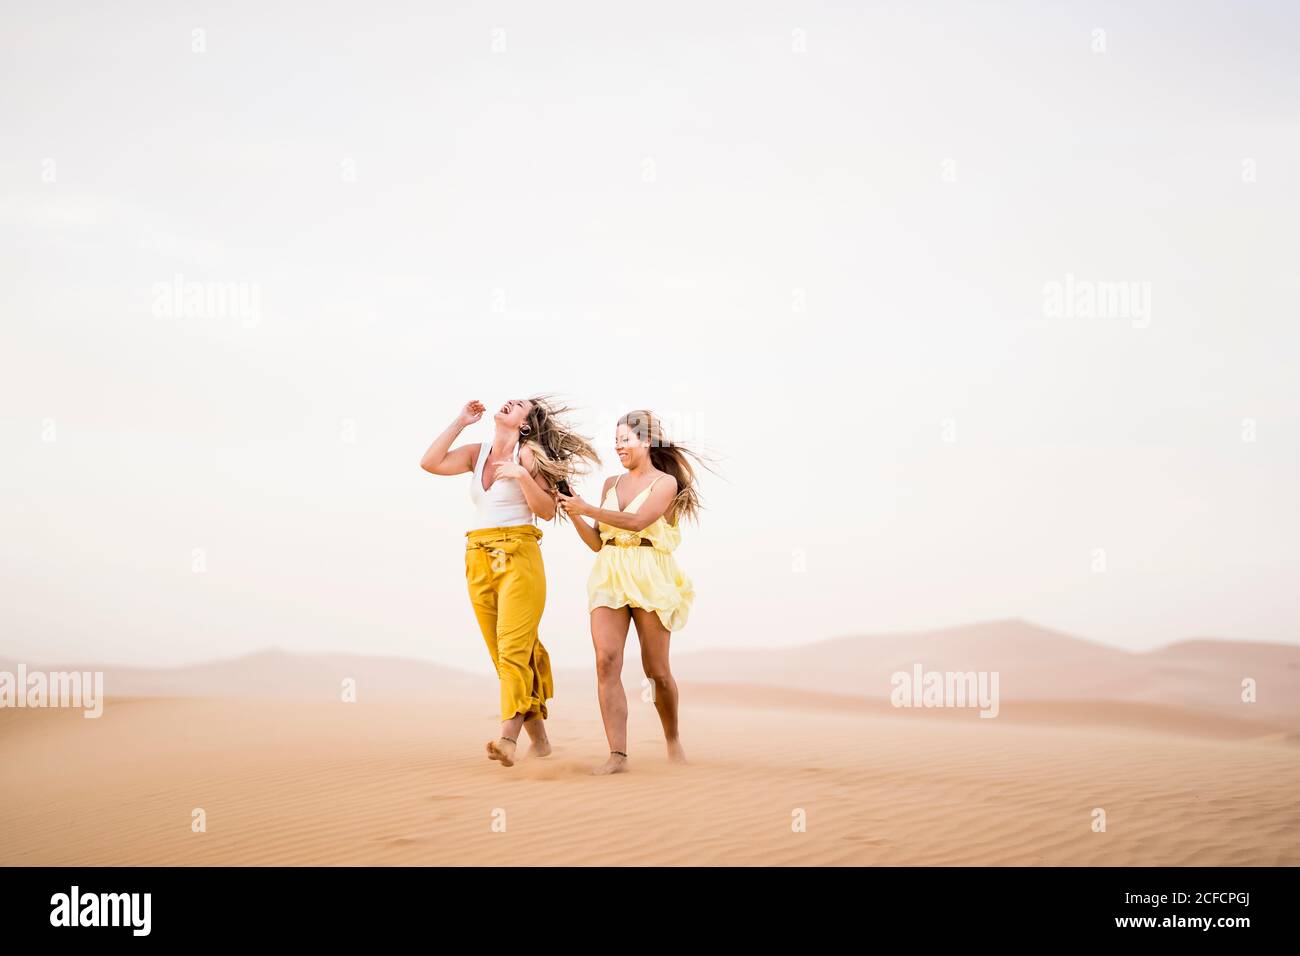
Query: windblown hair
(672, 458)
(560, 451)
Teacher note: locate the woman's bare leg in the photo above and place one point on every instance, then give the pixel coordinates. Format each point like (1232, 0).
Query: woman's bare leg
(608, 637)
(535, 727)
(504, 749)
(654, 638)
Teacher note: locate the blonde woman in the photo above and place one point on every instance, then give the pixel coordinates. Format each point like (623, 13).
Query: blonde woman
(514, 476)
(636, 579)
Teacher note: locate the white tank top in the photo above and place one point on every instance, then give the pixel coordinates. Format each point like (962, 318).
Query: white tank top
(502, 505)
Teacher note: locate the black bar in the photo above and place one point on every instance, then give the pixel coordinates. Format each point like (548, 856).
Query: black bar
(978, 906)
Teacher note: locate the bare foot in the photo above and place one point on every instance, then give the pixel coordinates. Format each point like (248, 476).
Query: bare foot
(615, 764)
(675, 752)
(503, 750)
(540, 744)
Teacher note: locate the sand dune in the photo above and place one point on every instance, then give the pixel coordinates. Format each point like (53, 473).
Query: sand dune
(1141, 717)
(287, 772)
(275, 673)
(1033, 663)
(403, 782)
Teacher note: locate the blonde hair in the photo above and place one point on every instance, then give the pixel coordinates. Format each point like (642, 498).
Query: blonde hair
(561, 453)
(672, 458)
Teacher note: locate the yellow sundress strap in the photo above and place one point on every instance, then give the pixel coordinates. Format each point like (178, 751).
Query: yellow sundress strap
(643, 491)
(614, 491)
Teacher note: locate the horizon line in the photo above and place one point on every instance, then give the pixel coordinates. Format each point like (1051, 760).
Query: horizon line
(1018, 621)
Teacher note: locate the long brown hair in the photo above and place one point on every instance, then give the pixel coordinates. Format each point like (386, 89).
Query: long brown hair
(672, 458)
(559, 450)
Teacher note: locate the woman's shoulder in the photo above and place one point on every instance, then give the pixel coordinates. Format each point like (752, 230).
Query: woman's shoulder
(663, 474)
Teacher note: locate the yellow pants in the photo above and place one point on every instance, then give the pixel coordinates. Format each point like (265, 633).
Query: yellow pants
(507, 587)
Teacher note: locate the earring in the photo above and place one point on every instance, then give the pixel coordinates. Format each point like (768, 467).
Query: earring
(525, 430)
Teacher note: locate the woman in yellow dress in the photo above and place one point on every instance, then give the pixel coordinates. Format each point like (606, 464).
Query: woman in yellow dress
(636, 578)
(513, 477)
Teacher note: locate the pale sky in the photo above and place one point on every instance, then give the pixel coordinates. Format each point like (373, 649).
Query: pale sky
(815, 238)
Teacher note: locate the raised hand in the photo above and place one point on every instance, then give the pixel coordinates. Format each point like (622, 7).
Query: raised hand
(471, 413)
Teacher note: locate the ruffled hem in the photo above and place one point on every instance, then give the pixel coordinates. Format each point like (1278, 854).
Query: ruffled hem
(673, 619)
(641, 578)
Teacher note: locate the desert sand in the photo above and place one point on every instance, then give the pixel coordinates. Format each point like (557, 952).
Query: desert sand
(287, 773)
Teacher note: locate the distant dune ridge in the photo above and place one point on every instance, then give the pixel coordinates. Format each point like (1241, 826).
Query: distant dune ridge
(797, 757)
(276, 673)
(1034, 664)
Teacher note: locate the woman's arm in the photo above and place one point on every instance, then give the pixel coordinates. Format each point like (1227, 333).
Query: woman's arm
(438, 460)
(539, 499)
(651, 510)
(590, 534)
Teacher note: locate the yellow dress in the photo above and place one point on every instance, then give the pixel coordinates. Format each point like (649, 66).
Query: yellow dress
(629, 574)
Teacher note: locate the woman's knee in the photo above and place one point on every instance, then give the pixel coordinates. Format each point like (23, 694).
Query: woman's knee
(609, 664)
(657, 670)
